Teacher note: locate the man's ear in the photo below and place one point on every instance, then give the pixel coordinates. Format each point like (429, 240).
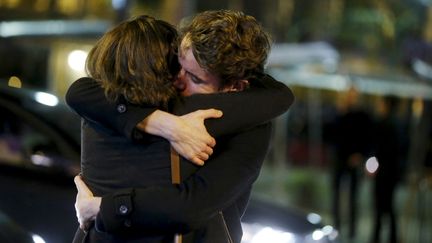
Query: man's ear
(239, 85)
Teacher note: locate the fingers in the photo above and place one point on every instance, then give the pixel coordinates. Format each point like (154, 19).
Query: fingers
(207, 140)
(203, 156)
(210, 113)
(81, 186)
(200, 158)
(78, 181)
(205, 153)
(211, 142)
(197, 161)
(208, 151)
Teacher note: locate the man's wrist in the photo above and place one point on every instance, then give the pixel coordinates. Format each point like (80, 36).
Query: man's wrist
(160, 123)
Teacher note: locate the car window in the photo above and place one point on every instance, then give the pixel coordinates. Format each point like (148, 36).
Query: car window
(27, 142)
(10, 144)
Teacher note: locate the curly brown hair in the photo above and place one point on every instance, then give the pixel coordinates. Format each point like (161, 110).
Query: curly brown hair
(227, 43)
(137, 59)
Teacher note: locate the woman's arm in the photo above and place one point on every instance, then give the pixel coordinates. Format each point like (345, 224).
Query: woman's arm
(87, 98)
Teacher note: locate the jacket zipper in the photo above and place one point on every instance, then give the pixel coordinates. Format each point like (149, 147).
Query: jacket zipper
(226, 228)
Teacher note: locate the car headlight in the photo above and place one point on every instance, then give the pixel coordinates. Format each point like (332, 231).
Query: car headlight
(257, 233)
(46, 99)
(37, 239)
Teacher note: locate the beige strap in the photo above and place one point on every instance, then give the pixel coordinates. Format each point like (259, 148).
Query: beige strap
(178, 238)
(175, 179)
(175, 167)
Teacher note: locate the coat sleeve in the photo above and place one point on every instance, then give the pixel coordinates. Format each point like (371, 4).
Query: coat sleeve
(212, 188)
(86, 97)
(265, 100)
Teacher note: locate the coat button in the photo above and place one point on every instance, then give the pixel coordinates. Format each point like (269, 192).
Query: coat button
(123, 209)
(121, 108)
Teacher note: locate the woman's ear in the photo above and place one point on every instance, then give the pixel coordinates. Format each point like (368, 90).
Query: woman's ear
(238, 85)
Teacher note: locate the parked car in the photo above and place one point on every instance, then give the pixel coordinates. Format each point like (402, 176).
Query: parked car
(39, 155)
(38, 132)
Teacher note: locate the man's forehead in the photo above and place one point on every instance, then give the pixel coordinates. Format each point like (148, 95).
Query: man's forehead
(189, 64)
(185, 44)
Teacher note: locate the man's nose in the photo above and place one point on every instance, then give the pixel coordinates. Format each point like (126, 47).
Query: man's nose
(179, 81)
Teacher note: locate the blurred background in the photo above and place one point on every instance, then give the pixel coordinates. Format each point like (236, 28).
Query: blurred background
(357, 139)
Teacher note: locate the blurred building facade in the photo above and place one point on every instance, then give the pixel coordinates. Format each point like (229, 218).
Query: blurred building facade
(368, 32)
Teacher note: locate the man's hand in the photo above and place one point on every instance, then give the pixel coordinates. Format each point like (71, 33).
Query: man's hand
(191, 139)
(86, 205)
(187, 134)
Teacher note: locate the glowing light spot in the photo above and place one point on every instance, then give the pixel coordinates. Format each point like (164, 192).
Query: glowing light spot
(15, 82)
(37, 239)
(328, 229)
(40, 159)
(317, 235)
(314, 218)
(77, 59)
(118, 4)
(46, 99)
(268, 234)
(372, 165)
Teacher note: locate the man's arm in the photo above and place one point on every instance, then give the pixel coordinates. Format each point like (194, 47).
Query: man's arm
(212, 188)
(265, 100)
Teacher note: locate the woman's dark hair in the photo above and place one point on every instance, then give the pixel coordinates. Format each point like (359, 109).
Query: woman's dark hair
(137, 59)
